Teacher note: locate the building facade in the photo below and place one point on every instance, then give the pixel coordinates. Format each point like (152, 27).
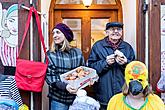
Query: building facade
(143, 29)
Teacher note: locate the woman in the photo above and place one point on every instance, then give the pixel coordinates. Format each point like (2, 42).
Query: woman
(137, 94)
(62, 58)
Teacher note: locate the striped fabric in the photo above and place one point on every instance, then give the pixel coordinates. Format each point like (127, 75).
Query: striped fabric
(8, 89)
(8, 54)
(59, 63)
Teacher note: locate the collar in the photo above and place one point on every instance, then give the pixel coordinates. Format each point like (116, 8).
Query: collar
(106, 44)
(114, 45)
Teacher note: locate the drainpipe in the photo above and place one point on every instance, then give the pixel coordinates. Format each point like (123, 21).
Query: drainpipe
(31, 56)
(145, 11)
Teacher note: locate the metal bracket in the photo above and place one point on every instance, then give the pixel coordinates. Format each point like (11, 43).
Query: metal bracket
(24, 7)
(145, 7)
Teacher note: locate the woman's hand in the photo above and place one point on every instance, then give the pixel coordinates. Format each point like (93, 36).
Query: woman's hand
(71, 89)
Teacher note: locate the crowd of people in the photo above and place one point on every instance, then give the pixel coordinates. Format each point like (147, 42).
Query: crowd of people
(123, 82)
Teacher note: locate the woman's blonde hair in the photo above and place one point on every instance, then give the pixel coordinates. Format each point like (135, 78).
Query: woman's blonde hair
(146, 92)
(65, 46)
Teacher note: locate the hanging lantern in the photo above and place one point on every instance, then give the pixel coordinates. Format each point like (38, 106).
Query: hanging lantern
(87, 3)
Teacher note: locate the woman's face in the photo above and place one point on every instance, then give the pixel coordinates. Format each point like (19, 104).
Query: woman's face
(58, 36)
(114, 33)
(12, 24)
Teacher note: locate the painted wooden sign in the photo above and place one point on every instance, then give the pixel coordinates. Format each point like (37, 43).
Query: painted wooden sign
(8, 34)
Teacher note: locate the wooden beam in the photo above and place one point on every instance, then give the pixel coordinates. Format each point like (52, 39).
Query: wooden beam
(86, 34)
(154, 43)
(92, 14)
(140, 31)
(82, 7)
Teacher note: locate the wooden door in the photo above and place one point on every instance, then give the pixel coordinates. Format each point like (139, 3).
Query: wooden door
(85, 18)
(69, 12)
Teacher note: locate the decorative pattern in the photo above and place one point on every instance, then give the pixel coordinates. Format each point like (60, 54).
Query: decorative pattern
(9, 35)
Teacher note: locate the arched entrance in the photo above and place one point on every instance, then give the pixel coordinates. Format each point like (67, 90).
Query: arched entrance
(88, 24)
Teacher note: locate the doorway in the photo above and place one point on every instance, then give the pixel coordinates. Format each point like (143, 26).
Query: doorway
(88, 24)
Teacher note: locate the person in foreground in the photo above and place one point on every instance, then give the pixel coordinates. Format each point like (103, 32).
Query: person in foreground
(109, 57)
(62, 58)
(137, 94)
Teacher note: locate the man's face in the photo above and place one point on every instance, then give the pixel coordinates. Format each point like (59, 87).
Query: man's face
(114, 33)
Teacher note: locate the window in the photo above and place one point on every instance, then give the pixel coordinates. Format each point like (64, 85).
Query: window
(97, 29)
(75, 25)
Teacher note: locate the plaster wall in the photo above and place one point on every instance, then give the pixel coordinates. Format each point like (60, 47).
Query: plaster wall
(129, 20)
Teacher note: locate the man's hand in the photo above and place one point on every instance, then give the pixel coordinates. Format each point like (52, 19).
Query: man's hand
(120, 57)
(110, 59)
(121, 60)
(71, 89)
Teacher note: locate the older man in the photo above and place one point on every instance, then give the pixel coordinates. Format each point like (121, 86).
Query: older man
(109, 57)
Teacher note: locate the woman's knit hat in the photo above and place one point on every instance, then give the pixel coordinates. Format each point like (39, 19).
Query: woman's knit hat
(65, 30)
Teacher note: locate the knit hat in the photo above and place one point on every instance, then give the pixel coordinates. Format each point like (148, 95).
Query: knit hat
(65, 30)
(114, 24)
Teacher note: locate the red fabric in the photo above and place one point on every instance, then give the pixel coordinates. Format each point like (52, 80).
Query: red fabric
(30, 75)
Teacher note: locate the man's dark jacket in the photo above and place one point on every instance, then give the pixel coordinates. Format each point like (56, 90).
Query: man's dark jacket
(111, 78)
